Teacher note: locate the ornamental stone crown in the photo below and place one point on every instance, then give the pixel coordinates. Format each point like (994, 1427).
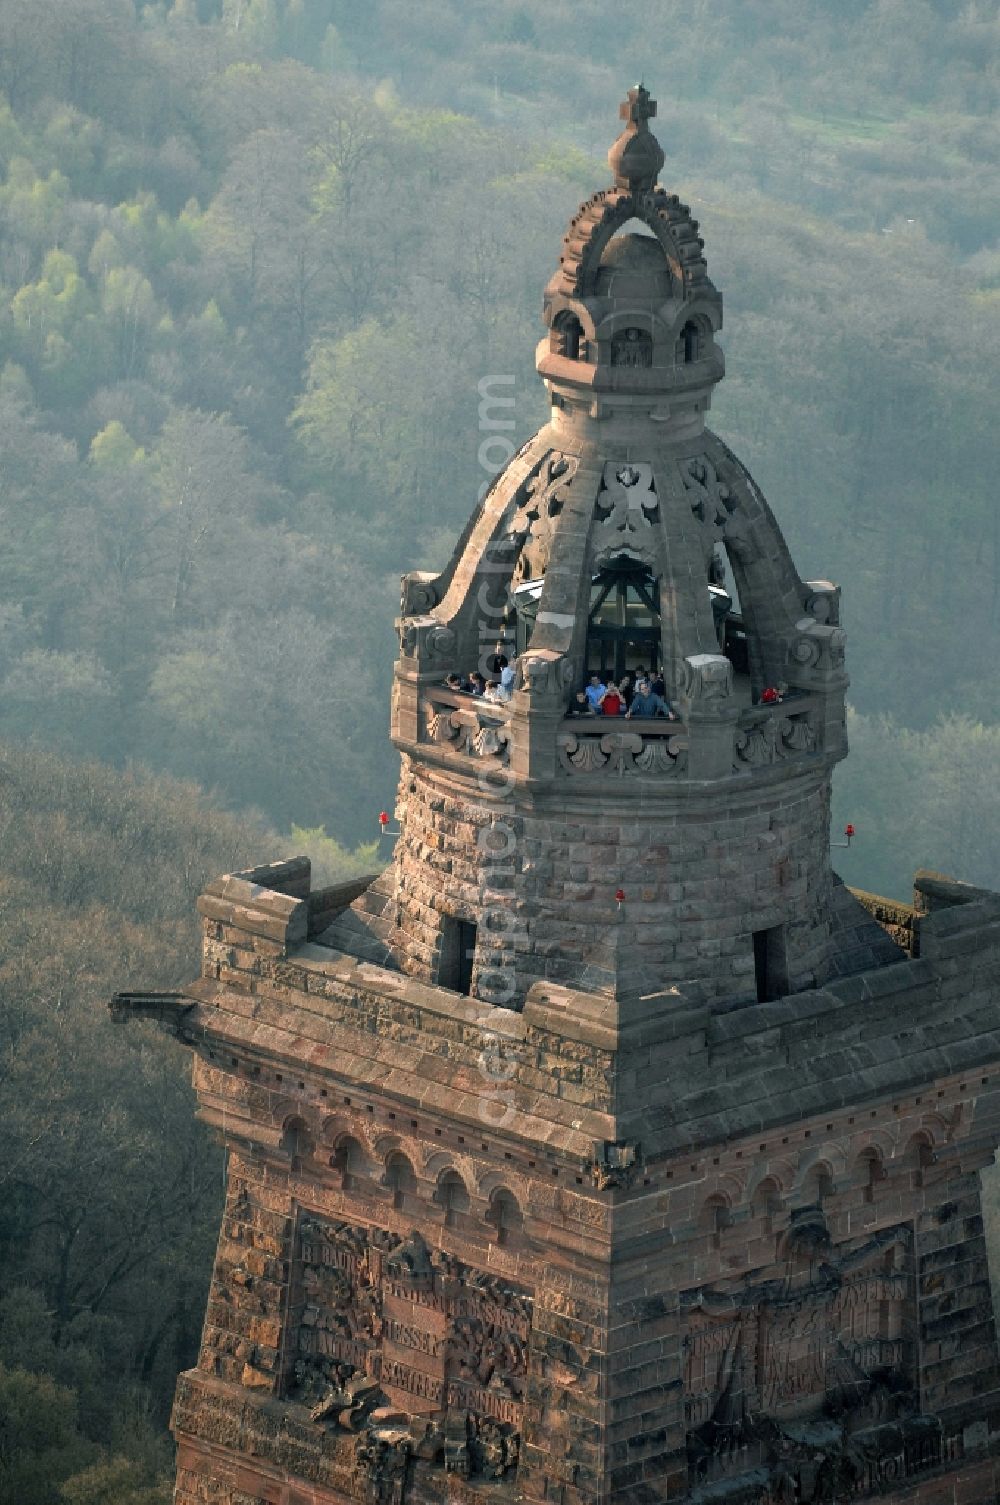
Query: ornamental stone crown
(623, 535)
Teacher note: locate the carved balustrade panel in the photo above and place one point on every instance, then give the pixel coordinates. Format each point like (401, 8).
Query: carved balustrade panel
(630, 749)
(777, 733)
(467, 724)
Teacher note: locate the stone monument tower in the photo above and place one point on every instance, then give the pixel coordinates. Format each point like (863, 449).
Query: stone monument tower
(605, 1148)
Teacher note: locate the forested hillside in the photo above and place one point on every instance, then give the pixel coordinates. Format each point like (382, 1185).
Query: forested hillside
(110, 1192)
(257, 254)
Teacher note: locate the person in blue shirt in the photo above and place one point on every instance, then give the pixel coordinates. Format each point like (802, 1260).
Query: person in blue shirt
(596, 691)
(646, 702)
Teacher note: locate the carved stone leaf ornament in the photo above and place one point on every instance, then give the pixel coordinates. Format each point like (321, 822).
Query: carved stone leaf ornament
(626, 506)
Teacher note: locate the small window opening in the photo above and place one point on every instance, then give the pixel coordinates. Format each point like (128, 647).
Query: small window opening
(767, 1204)
(770, 963)
(453, 1197)
(568, 340)
(818, 1186)
(348, 1159)
(925, 1160)
(297, 1142)
(716, 1217)
(691, 341)
(458, 954)
(399, 1179)
(872, 1173)
(505, 1215)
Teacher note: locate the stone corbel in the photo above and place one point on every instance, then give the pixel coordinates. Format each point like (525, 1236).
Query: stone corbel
(816, 655)
(419, 593)
(546, 678)
(707, 685)
(427, 643)
(822, 601)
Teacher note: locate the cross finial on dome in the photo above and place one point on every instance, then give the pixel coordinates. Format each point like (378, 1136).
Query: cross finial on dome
(637, 106)
(636, 157)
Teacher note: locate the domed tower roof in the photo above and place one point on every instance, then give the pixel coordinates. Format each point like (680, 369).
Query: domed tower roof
(622, 856)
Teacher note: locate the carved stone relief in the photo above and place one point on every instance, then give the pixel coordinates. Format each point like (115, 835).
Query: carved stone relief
(632, 348)
(421, 1356)
(806, 1369)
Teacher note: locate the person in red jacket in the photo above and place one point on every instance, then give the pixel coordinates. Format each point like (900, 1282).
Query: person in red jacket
(612, 704)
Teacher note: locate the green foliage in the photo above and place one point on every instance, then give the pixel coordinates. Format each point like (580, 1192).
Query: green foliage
(245, 326)
(39, 1440)
(332, 862)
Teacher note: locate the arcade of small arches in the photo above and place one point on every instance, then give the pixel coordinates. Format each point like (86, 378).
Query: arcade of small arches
(633, 345)
(816, 1183)
(389, 1173)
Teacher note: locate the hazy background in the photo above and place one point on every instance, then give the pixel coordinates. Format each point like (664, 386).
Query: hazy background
(254, 259)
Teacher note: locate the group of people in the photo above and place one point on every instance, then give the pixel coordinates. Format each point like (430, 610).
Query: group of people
(499, 686)
(637, 694)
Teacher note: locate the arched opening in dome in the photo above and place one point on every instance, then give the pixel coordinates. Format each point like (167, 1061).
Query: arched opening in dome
(623, 630)
(732, 627)
(693, 343)
(636, 226)
(567, 337)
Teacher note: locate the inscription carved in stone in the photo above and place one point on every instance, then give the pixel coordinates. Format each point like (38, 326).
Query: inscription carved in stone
(389, 1330)
(807, 1368)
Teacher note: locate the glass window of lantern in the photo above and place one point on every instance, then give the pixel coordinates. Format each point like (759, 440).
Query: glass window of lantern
(624, 629)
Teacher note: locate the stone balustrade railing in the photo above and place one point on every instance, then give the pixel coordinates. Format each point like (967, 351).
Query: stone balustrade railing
(467, 724)
(641, 747)
(774, 733)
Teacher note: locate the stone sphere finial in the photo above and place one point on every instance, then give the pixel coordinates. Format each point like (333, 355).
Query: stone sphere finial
(636, 157)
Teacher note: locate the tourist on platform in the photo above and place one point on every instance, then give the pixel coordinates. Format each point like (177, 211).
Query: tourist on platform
(580, 705)
(477, 683)
(612, 703)
(504, 676)
(456, 682)
(595, 691)
(627, 687)
(657, 683)
(646, 702)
